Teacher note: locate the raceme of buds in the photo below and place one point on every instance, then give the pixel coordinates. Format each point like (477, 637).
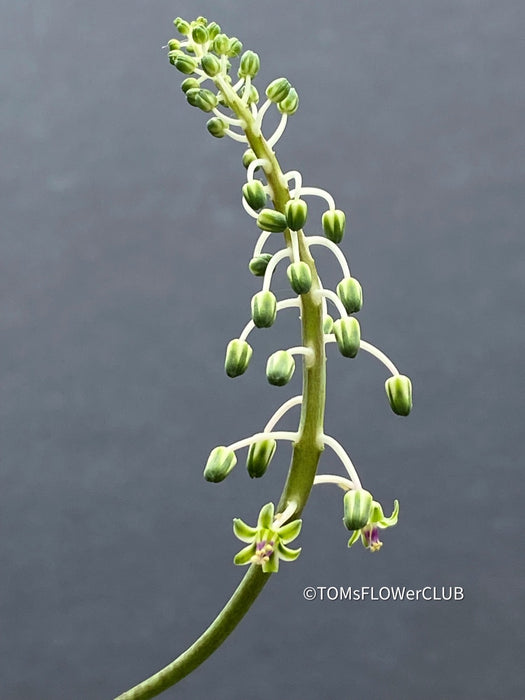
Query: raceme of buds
(348, 335)
(334, 222)
(264, 309)
(296, 211)
(399, 392)
(357, 505)
(278, 90)
(351, 294)
(259, 457)
(280, 368)
(249, 65)
(210, 64)
(217, 127)
(272, 221)
(238, 356)
(300, 277)
(253, 192)
(220, 463)
(259, 264)
(290, 104)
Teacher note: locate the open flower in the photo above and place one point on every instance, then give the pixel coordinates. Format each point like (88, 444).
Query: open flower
(267, 541)
(377, 521)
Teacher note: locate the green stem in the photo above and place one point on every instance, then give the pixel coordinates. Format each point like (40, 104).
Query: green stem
(306, 451)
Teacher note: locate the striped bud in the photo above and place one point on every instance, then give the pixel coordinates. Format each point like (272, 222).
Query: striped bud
(248, 157)
(217, 127)
(259, 457)
(290, 104)
(334, 222)
(399, 392)
(253, 96)
(348, 335)
(280, 368)
(234, 47)
(199, 34)
(328, 324)
(221, 44)
(259, 264)
(186, 64)
(357, 506)
(213, 30)
(296, 211)
(202, 98)
(264, 309)
(182, 26)
(300, 277)
(249, 65)
(253, 192)
(173, 44)
(351, 294)
(278, 90)
(220, 463)
(271, 220)
(189, 84)
(210, 64)
(238, 356)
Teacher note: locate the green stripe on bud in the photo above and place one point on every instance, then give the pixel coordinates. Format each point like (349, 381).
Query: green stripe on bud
(300, 277)
(217, 127)
(221, 44)
(357, 506)
(328, 324)
(296, 211)
(213, 30)
(248, 157)
(199, 34)
(249, 65)
(259, 264)
(253, 192)
(351, 294)
(278, 90)
(234, 47)
(399, 392)
(280, 368)
(202, 98)
(253, 96)
(290, 104)
(173, 44)
(271, 220)
(259, 457)
(264, 309)
(210, 64)
(334, 222)
(238, 356)
(220, 463)
(348, 335)
(189, 84)
(186, 64)
(182, 26)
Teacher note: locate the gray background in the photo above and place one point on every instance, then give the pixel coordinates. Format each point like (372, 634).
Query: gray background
(123, 276)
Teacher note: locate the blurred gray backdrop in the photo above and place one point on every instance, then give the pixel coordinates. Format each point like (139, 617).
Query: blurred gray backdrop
(123, 276)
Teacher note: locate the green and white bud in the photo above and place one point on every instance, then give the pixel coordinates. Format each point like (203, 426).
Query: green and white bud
(347, 333)
(238, 356)
(264, 309)
(234, 48)
(328, 324)
(199, 34)
(334, 222)
(357, 506)
(210, 64)
(201, 20)
(217, 127)
(280, 368)
(278, 90)
(172, 55)
(253, 192)
(351, 294)
(220, 463)
(248, 157)
(253, 96)
(189, 84)
(173, 44)
(221, 44)
(259, 264)
(296, 211)
(182, 26)
(202, 98)
(249, 65)
(259, 457)
(186, 64)
(213, 30)
(399, 392)
(300, 277)
(272, 220)
(290, 104)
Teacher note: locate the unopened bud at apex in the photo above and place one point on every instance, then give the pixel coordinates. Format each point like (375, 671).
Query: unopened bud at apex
(259, 264)
(186, 64)
(249, 65)
(182, 26)
(290, 104)
(278, 90)
(221, 44)
(334, 222)
(234, 47)
(220, 463)
(202, 98)
(253, 192)
(351, 294)
(399, 392)
(189, 84)
(357, 506)
(280, 368)
(296, 211)
(300, 277)
(328, 324)
(213, 30)
(264, 309)
(272, 220)
(217, 127)
(238, 356)
(210, 64)
(347, 333)
(199, 34)
(259, 457)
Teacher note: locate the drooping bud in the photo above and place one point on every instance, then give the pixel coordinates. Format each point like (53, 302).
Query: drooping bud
(280, 368)
(348, 335)
(296, 211)
(264, 309)
(248, 157)
(249, 65)
(399, 392)
(210, 64)
(213, 30)
(186, 64)
(334, 222)
(328, 324)
(290, 104)
(259, 264)
(220, 463)
(351, 294)
(189, 84)
(217, 127)
(278, 90)
(199, 34)
(253, 192)
(202, 98)
(182, 26)
(173, 44)
(259, 457)
(234, 47)
(221, 44)
(271, 220)
(238, 356)
(357, 506)
(300, 277)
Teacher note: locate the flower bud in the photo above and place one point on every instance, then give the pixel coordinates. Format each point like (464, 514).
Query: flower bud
(264, 309)
(213, 30)
(238, 356)
(278, 90)
(234, 47)
(300, 277)
(173, 44)
(217, 127)
(290, 104)
(296, 211)
(186, 64)
(348, 335)
(253, 192)
(271, 220)
(249, 65)
(259, 264)
(201, 20)
(328, 324)
(259, 457)
(334, 221)
(351, 294)
(221, 44)
(220, 463)
(173, 54)
(248, 157)
(189, 84)
(203, 99)
(199, 34)
(253, 96)
(280, 368)
(399, 392)
(357, 506)
(182, 26)
(210, 64)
